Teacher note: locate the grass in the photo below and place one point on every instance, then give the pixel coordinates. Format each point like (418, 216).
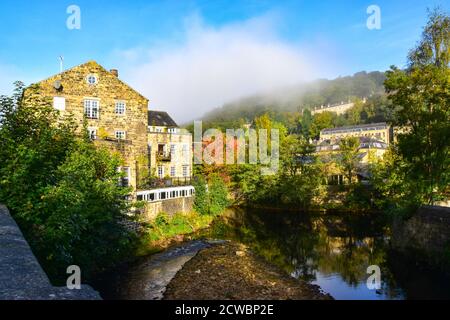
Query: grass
(165, 228)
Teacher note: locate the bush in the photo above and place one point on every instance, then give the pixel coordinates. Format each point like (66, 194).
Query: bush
(210, 198)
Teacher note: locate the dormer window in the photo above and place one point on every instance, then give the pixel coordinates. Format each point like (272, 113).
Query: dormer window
(92, 79)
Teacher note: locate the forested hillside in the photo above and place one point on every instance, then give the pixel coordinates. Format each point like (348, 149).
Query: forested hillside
(285, 103)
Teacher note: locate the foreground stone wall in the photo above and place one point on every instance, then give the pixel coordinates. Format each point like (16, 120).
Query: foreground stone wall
(21, 276)
(171, 207)
(427, 233)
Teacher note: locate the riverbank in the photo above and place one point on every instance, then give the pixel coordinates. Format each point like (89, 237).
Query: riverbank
(167, 231)
(232, 271)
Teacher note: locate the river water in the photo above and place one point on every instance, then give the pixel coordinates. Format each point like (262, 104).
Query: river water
(334, 252)
(330, 250)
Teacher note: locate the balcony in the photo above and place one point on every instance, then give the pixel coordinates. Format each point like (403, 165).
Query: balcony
(164, 156)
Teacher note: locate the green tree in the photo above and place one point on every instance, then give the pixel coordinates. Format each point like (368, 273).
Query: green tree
(322, 121)
(347, 159)
(305, 123)
(420, 99)
(218, 195)
(201, 201)
(211, 197)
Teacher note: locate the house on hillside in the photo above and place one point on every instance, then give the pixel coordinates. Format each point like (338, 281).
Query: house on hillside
(118, 117)
(369, 151)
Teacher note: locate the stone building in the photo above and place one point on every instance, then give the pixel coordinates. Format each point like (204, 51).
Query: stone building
(379, 131)
(170, 148)
(117, 116)
(339, 108)
(369, 151)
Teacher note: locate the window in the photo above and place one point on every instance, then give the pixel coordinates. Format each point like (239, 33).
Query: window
(92, 132)
(125, 179)
(172, 130)
(59, 103)
(91, 108)
(172, 171)
(185, 171)
(91, 79)
(172, 149)
(120, 107)
(158, 129)
(160, 172)
(120, 135)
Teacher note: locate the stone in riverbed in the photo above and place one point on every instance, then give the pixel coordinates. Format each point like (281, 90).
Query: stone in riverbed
(240, 253)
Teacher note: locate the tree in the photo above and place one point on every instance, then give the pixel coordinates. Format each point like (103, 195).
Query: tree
(218, 195)
(305, 123)
(211, 197)
(348, 156)
(434, 47)
(322, 121)
(420, 99)
(201, 201)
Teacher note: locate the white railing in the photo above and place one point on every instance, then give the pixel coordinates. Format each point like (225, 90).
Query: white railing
(165, 194)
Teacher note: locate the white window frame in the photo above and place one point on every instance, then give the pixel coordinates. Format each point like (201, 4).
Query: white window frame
(173, 171)
(160, 172)
(120, 108)
(92, 108)
(120, 134)
(185, 171)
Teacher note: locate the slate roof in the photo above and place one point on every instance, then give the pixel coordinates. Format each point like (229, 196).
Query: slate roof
(160, 119)
(358, 128)
(364, 143)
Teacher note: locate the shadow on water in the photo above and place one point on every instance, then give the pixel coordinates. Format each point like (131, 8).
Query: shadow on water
(333, 251)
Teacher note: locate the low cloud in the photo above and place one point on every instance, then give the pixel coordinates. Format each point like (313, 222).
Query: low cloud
(211, 66)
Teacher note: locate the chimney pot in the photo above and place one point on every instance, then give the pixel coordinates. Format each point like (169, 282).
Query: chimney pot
(115, 72)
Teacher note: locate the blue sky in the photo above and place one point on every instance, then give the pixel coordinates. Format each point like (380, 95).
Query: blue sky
(156, 44)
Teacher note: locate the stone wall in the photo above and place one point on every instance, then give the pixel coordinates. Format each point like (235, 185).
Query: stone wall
(426, 233)
(21, 276)
(171, 207)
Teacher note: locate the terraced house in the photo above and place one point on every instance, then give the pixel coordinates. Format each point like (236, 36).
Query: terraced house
(118, 116)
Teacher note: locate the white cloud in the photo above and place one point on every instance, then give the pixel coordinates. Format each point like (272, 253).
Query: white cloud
(212, 66)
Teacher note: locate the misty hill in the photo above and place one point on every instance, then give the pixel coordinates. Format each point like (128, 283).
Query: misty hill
(295, 99)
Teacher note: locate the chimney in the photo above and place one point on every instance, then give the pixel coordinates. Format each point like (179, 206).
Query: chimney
(114, 72)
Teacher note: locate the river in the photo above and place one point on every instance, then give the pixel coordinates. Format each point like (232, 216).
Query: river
(330, 250)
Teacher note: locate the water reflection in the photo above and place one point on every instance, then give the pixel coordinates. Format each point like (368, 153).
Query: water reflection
(332, 251)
